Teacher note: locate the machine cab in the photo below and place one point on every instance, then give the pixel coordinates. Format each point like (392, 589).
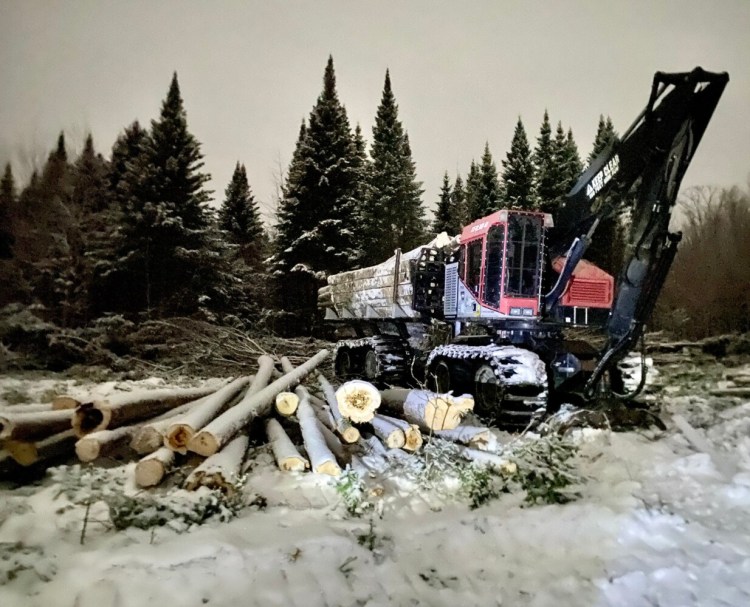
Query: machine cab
(499, 272)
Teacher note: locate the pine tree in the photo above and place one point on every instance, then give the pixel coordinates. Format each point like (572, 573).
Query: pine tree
(363, 174)
(317, 217)
(547, 172)
(165, 219)
(567, 167)
(473, 187)
(239, 215)
(444, 210)
(460, 213)
(394, 214)
(125, 151)
(489, 194)
(518, 171)
(7, 204)
(90, 187)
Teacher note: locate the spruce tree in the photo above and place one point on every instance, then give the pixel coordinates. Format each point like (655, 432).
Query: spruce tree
(125, 151)
(317, 217)
(460, 213)
(547, 172)
(489, 193)
(165, 219)
(394, 214)
(473, 187)
(567, 167)
(239, 216)
(518, 172)
(90, 187)
(444, 211)
(7, 204)
(605, 136)
(363, 174)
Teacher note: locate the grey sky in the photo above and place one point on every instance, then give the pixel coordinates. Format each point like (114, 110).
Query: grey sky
(462, 73)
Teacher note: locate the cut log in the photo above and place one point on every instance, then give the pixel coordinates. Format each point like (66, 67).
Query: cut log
(357, 400)
(124, 409)
(392, 435)
(221, 430)
(429, 410)
(104, 443)
(183, 428)
(473, 436)
(150, 436)
(27, 453)
(152, 469)
(29, 408)
(32, 426)
(372, 446)
(501, 464)
(742, 392)
(412, 434)
(287, 403)
(221, 470)
(322, 459)
(342, 425)
(286, 454)
(65, 402)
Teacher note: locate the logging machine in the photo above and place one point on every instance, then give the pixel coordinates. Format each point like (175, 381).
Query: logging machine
(509, 292)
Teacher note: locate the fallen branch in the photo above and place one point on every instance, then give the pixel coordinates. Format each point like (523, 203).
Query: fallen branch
(221, 430)
(286, 454)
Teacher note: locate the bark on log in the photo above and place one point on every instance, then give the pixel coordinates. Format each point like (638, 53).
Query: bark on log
(286, 454)
(473, 436)
(322, 459)
(33, 426)
(65, 402)
(152, 469)
(104, 443)
(358, 400)
(429, 410)
(412, 435)
(392, 435)
(221, 430)
(27, 453)
(183, 428)
(124, 409)
(342, 425)
(221, 470)
(30, 408)
(738, 392)
(287, 403)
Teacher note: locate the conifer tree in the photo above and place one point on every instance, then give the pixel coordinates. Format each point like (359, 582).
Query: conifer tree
(7, 204)
(547, 171)
(127, 148)
(473, 186)
(460, 214)
(165, 219)
(317, 216)
(605, 136)
(567, 166)
(489, 193)
(518, 171)
(239, 215)
(394, 214)
(444, 211)
(363, 174)
(90, 188)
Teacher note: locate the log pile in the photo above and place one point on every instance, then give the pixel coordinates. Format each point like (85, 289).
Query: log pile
(207, 431)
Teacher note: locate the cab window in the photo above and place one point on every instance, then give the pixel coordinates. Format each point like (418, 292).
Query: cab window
(474, 265)
(493, 271)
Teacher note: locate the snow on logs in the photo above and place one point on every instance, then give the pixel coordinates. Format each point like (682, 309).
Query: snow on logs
(123, 409)
(222, 429)
(357, 400)
(322, 459)
(412, 434)
(33, 425)
(27, 453)
(472, 436)
(104, 443)
(286, 454)
(428, 410)
(222, 469)
(182, 429)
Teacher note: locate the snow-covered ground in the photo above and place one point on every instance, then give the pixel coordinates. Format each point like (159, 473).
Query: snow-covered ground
(663, 519)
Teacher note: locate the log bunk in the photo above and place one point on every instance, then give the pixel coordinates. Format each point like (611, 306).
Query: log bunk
(308, 424)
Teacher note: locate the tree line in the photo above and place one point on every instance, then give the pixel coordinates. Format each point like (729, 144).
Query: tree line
(134, 233)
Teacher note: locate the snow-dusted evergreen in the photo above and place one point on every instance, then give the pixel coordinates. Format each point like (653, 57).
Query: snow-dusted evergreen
(518, 171)
(393, 216)
(239, 216)
(489, 194)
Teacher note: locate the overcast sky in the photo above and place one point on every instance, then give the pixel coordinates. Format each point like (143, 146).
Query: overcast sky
(462, 73)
